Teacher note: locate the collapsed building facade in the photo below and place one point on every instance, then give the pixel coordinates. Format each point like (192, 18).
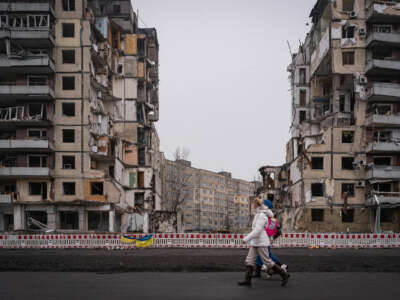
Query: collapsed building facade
(204, 200)
(79, 98)
(342, 170)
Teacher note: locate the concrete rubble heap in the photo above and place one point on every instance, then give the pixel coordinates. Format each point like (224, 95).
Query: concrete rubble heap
(79, 99)
(342, 169)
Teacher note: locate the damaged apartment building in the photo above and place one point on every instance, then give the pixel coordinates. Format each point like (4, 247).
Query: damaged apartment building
(79, 98)
(342, 170)
(204, 200)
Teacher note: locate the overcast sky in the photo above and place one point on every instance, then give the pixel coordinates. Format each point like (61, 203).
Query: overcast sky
(224, 90)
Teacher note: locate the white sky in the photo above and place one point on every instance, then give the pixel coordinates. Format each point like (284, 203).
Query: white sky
(224, 90)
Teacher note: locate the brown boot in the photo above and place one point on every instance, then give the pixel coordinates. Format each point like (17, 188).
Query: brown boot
(285, 276)
(247, 278)
(257, 272)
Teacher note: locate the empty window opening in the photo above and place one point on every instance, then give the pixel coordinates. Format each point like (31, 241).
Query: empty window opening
(317, 215)
(37, 111)
(68, 109)
(37, 80)
(382, 136)
(348, 58)
(302, 76)
(382, 187)
(37, 216)
(348, 32)
(96, 188)
(382, 161)
(348, 163)
(119, 69)
(69, 220)
(141, 47)
(37, 133)
(381, 109)
(303, 94)
(68, 162)
(348, 5)
(382, 53)
(139, 200)
(68, 135)
(69, 188)
(141, 157)
(68, 83)
(382, 28)
(98, 221)
(348, 217)
(37, 161)
(349, 188)
(317, 190)
(342, 103)
(347, 137)
(38, 189)
(387, 215)
(68, 30)
(302, 116)
(140, 179)
(68, 56)
(317, 163)
(68, 5)
(9, 161)
(111, 171)
(116, 8)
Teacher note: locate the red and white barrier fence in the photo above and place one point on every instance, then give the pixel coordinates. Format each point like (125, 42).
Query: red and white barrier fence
(200, 240)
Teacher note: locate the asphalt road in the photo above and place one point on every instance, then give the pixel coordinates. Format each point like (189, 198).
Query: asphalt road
(308, 286)
(195, 260)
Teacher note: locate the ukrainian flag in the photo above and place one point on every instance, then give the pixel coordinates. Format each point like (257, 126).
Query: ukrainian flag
(145, 241)
(142, 242)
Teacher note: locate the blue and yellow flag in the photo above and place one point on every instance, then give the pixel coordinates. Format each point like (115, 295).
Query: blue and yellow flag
(142, 242)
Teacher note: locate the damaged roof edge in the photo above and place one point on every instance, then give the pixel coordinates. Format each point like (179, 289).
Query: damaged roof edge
(318, 10)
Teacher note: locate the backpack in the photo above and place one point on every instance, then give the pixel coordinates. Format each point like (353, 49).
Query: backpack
(272, 227)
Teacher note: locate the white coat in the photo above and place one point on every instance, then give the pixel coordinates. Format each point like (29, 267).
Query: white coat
(258, 237)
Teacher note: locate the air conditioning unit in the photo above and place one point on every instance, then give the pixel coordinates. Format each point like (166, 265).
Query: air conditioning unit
(362, 79)
(360, 184)
(362, 32)
(352, 14)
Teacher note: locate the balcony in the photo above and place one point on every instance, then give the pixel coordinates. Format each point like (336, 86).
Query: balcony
(24, 145)
(24, 172)
(384, 172)
(383, 120)
(39, 6)
(41, 37)
(379, 39)
(387, 12)
(34, 64)
(382, 91)
(26, 92)
(383, 67)
(382, 147)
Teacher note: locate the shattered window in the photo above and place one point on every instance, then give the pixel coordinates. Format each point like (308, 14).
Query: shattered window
(69, 188)
(348, 217)
(317, 163)
(342, 102)
(387, 215)
(317, 215)
(347, 137)
(349, 188)
(68, 109)
(303, 116)
(348, 32)
(68, 162)
(317, 190)
(68, 135)
(69, 220)
(96, 188)
(347, 163)
(116, 8)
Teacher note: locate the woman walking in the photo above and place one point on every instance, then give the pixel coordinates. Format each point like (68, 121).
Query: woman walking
(259, 242)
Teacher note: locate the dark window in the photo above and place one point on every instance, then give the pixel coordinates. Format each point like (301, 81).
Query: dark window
(37, 188)
(37, 161)
(347, 137)
(348, 58)
(342, 103)
(382, 53)
(119, 69)
(68, 5)
(382, 161)
(317, 163)
(348, 32)
(348, 5)
(348, 217)
(68, 56)
(69, 188)
(36, 109)
(382, 187)
(302, 76)
(386, 215)
(111, 171)
(347, 163)
(349, 188)
(317, 190)
(303, 95)
(68, 136)
(96, 188)
(141, 47)
(68, 109)
(303, 116)
(68, 30)
(69, 220)
(37, 80)
(37, 133)
(116, 8)
(317, 215)
(141, 179)
(68, 162)
(68, 83)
